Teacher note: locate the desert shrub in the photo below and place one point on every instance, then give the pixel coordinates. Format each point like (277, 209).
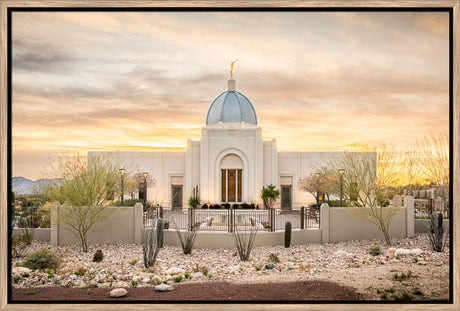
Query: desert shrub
(273, 258)
(258, 267)
(42, 259)
(403, 297)
(417, 291)
(187, 239)
(16, 279)
(244, 242)
(134, 283)
(98, 256)
(390, 290)
(202, 269)
(178, 278)
(375, 250)
(270, 266)
(403, 276)
(19, 244)
(187, 275)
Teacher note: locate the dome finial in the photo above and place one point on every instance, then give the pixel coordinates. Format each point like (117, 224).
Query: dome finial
(231, 68)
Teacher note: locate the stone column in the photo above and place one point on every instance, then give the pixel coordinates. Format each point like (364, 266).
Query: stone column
(409, 206)
(54, 226)
(325, 220)
(138, 214)
(397, 201)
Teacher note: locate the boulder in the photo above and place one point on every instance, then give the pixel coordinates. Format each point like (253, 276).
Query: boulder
(21, 270)
(156, 280)
(118, 292)
(174, 270)
(164, 288)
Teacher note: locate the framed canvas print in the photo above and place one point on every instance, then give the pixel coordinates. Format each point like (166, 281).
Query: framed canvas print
(251, 155)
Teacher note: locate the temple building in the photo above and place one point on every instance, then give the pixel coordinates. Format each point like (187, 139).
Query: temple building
(229, 164)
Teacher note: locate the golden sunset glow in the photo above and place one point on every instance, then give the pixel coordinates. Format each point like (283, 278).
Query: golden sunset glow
(145, 80)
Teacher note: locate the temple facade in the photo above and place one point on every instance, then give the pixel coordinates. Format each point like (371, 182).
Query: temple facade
(230, 163)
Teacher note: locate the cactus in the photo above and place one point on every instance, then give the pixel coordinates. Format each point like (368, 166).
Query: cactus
(160, 232)
(151, 244)
(287, 234)
(436, 234)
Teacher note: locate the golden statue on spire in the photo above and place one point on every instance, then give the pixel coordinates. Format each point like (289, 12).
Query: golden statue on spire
(231, 68)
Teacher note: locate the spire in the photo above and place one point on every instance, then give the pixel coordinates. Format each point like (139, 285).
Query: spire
(231, 81)
(231, 68)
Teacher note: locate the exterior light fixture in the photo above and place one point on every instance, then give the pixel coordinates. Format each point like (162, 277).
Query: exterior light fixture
(145, 174)
(341, 172)
(122, 173)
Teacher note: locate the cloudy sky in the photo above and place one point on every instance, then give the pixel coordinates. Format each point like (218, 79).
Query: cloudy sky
(145, 80)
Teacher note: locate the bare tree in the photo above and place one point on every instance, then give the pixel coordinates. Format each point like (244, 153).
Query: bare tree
(326, 182)
(368, 180)
(434, 159)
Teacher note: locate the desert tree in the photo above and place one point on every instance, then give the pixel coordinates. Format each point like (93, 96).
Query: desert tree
(84, 190)
(324, 180)
(434, 160)
(368, 181)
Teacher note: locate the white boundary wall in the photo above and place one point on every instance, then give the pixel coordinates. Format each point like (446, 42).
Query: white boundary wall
(337, 224)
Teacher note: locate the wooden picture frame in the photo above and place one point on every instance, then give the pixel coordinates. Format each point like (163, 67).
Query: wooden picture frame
(4, 141)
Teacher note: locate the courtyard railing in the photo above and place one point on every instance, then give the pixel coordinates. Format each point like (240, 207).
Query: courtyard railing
(228, 219)
(423, 208)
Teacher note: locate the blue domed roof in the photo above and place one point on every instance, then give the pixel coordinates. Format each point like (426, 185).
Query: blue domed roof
(231, 106)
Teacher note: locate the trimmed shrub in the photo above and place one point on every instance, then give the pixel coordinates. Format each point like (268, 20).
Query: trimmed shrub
(98, 256)
(42, 259)
(375, 250)
(273, 258)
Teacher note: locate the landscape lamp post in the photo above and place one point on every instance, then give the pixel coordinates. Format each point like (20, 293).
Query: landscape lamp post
(317, 188)
(341, 172)
(122, 173)
(145, 174)
(208, 204)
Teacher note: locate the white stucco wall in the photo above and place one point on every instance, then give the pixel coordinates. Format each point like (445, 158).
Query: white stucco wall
(300, 164)
(161, 165)
(216, 143)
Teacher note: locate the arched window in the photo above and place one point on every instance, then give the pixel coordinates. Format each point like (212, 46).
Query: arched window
(232, 175)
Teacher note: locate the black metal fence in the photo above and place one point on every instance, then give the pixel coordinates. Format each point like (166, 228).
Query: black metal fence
(229, 219)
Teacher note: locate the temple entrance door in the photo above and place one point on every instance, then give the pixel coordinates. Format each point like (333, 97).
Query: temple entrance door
(231, 185)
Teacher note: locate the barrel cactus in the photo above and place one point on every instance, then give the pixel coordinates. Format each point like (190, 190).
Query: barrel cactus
(287, 234)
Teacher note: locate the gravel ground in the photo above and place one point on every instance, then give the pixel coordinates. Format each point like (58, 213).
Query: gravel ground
(345, 263)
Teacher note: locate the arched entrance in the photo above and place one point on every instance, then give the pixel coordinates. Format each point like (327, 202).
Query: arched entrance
(231, 167)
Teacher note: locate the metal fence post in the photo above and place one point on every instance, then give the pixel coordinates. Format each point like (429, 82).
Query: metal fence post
(302, 217)
(272, 212)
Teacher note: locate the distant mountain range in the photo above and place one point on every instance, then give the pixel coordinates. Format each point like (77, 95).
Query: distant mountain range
(22, 185)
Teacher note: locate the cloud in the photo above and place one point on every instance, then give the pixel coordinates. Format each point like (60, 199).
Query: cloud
(36, 55)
